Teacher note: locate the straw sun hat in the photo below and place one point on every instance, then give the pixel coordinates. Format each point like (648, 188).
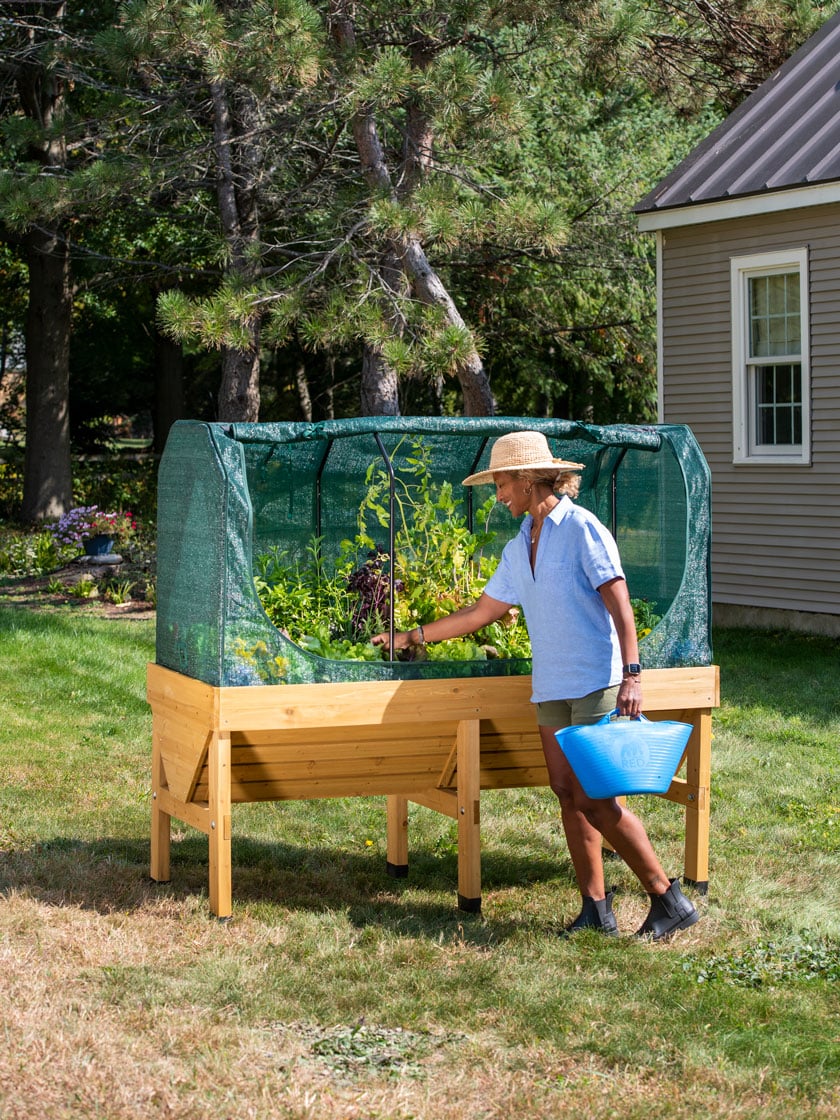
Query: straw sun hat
(521, 451)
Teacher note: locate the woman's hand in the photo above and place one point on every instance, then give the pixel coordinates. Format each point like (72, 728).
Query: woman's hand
(403, 639)
(629, 701)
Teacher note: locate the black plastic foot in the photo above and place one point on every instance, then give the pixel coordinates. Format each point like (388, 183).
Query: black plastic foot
(470, 905)
(701, 888)
(397, 870)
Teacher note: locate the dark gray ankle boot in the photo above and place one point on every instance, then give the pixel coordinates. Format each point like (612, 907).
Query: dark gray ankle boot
(596, 913)
(668, 913)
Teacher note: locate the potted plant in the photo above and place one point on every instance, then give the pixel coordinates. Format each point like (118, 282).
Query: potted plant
(94, 529)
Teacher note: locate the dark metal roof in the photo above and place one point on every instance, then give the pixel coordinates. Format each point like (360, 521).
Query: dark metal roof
(785, 134)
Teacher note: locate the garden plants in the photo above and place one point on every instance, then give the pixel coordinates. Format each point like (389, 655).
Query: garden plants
(83, 523)
(441, 564)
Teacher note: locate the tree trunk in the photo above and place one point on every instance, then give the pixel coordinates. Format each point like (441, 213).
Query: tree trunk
(237, 162)
(425, 282)
(304, 396)
(169, 387)
(47, 486)
(379, 396)
(239, 394)
(430, 289)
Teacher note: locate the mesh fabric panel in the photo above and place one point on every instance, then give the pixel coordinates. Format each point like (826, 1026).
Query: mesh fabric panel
(228, 493)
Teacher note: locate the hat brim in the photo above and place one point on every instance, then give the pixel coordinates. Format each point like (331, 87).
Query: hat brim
(489, 476)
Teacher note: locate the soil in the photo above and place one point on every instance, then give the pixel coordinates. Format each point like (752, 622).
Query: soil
(51, 591)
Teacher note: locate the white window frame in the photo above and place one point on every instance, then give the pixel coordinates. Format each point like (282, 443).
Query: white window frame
(745, 449)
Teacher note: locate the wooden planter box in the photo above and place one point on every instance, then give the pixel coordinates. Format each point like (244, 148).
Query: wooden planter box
(438, 743)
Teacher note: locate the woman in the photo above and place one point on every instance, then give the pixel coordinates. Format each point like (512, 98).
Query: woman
(564, 570)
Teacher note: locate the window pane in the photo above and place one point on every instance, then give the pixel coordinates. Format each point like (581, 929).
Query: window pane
(774, 315)
(765, 384)
(784, 426)
(758, 296)
(777, 396)
(777, 294)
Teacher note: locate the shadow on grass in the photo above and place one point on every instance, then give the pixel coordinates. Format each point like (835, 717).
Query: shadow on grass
(112, 876)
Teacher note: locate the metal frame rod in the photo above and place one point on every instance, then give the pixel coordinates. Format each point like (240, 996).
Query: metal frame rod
(472, 470)
(391, 541)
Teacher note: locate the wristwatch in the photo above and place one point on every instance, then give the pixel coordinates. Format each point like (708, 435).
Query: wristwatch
(631, 670)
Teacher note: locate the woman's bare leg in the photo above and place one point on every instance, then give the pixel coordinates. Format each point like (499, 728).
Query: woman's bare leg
(586, 820)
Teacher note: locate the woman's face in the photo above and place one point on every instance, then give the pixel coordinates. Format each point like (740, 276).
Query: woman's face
(510, 492)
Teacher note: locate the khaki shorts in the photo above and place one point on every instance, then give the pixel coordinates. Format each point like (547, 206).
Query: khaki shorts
(570, 713)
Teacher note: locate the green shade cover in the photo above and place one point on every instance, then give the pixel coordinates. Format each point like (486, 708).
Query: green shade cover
(230, 492)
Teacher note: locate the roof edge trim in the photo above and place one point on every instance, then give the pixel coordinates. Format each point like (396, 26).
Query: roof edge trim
(768, 202)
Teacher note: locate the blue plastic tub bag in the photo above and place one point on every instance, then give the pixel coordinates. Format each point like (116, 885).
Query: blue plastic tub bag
(617, 757)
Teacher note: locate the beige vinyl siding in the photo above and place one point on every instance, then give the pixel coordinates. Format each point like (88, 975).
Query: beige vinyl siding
(775, 529)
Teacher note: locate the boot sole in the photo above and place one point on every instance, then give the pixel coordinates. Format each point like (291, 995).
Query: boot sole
(683, 923)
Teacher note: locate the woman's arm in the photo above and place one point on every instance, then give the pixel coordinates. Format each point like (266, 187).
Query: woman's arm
(465, 621)
(617, 601)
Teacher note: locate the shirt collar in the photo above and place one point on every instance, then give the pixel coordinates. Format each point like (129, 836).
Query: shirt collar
(561, 510)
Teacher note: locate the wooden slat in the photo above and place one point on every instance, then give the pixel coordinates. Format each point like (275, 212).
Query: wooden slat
(397, 766)
(447, 774)
(514, 778)
(346, 740)
(398, 743)
(369, 703)
(279, 788)
(680, 689)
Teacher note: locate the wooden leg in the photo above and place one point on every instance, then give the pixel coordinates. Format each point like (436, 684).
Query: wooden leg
(469, 817)
(397, 837)
(161, 822)
(219, 801)
(698, 809)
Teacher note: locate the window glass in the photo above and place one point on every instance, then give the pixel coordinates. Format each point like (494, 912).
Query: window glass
(774, 315)
(778, 404)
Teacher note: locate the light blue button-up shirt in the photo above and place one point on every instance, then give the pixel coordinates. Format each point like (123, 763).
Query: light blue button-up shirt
(574, 643)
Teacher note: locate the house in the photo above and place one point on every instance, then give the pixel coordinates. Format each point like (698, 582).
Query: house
(748, 253)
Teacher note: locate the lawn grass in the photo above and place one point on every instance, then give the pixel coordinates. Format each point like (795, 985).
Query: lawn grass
(336, 992)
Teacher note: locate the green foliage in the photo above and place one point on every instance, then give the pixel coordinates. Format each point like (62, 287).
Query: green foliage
(85, 588)
(117, 590)
(645, 615)
(770, 964)
(31, 554)
(440, 566)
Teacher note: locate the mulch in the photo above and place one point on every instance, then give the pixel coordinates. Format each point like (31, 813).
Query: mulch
(39, 592)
